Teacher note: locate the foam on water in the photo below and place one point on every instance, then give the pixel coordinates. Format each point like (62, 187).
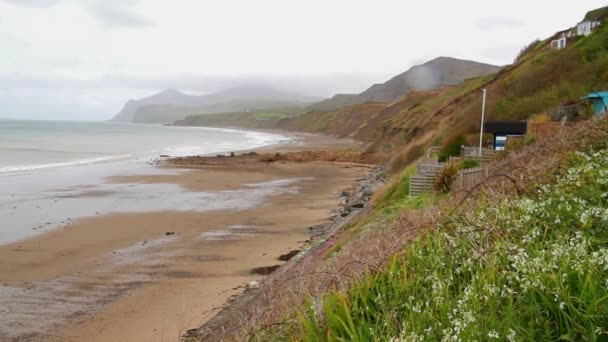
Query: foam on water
(21, 169)
(30, 146)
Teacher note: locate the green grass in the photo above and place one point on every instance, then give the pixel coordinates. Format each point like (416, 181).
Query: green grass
(529, 269)
(597, 14)
(397, 198)
(271, 115)
(387, 207)
(552, 78)
(400, 188)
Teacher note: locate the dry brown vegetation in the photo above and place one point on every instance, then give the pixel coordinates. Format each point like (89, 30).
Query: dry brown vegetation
(344, 156)
(339, 156)
(370, 242)
(518, 172)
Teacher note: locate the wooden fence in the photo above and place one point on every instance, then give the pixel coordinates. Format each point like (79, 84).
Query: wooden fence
(546, 129)
(427, 170)
(472, 153)
(424, 179)
(468, 178)
(433, 150)
(429, 167)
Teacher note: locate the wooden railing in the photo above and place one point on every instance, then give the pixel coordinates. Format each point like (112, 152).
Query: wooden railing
(424, 180)
(470, 151)
(427, 170)
(433, 150)
(468, 178)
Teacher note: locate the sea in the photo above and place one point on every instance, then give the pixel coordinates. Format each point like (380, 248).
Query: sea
(54, 172)
(30, 146)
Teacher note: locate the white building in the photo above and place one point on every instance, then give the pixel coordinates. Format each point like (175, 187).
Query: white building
(571, 33)
(585, 28)
(560, 43)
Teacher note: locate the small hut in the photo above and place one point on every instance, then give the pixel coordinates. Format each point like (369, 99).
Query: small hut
(503, 130)
(599, 100)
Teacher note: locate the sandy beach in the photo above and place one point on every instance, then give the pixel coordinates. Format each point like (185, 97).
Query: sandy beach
(151, 276)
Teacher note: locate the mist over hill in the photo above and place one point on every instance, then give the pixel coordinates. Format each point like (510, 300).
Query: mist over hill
(439, 72)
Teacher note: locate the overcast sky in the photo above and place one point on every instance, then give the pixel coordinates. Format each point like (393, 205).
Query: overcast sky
(82, 59)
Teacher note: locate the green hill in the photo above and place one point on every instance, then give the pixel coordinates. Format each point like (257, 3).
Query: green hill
(598, 14)
(257, 119)
(542, 79)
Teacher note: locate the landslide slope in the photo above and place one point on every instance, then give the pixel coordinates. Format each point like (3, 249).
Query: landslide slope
(434, 74)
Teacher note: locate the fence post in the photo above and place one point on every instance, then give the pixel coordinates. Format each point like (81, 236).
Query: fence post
(461, 176)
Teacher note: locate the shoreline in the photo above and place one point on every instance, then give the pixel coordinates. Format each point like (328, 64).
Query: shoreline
(148, 276)
(41, 201)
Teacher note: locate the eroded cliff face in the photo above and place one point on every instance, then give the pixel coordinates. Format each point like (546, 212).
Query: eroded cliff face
(434, 74)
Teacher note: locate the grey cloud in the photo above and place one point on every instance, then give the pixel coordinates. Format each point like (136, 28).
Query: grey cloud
(119, 16)
(110, 14)
(494, 23)
(32, 3)
(311, 85)
(52, 96)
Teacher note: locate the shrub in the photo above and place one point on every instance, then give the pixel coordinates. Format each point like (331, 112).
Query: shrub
(469, 164)
(529, 139)
(452, 148)
(540, 118)
(445, 178)
(473, 139)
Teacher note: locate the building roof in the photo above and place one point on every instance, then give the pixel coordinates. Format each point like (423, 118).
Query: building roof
(596, 95)
(506, 127)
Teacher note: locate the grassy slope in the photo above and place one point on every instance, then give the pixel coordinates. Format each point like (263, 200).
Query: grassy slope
(343, 122)
(530, 268)
(431, 269)
(541, 80)
(598, 14)
(261, 119)
(548, 79)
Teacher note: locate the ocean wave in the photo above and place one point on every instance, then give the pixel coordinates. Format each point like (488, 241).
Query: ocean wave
(22, 169)
(252, 140)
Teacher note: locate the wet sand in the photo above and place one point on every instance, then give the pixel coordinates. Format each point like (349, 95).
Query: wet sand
(152, 276)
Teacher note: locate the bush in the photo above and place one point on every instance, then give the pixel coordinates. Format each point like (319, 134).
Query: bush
(469, 164)
(473, 139)
(540, 118)
(452, 148)
(445, 178)
(520, 142)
